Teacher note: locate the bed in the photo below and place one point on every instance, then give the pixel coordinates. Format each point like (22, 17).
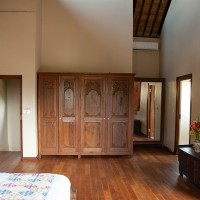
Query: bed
(34, 186)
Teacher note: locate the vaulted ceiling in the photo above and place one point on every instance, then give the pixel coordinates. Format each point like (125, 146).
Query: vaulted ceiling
(148, 17)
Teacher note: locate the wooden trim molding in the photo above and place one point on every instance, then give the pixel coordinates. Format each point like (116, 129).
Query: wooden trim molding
(156, 80)
(29, 158)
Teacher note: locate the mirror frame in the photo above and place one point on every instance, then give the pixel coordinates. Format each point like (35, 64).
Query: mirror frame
(159, 80)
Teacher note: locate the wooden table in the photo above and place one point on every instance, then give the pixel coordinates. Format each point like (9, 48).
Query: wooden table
(189, 163)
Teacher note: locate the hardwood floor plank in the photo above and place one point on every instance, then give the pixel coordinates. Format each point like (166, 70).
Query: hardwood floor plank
(151, 174)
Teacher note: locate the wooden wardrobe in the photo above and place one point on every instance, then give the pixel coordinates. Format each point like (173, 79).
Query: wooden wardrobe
(85, 114)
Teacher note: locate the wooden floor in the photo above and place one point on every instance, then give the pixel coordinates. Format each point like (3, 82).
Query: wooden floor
(141, 138)
(152, 173)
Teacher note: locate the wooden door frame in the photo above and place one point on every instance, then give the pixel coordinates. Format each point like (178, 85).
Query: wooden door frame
(17, 77)
(178, 80)
(149, 108)
(156, 80)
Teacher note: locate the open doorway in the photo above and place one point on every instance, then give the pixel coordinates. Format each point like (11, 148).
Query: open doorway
(11, 113)
(183, 110)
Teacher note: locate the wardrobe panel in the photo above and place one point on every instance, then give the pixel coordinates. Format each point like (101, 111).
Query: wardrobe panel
(119, 134)
(120, 98)
(68, 134)
(69, 121)
(49, 98)
(120, 90)
(48, 113)
(92, 136)
(50, 136)
(93, 114)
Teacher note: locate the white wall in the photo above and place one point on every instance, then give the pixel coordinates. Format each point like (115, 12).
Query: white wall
(87, 35)
(180, 47)
(146, 63)
(13, 114)
(18, 57)
(3, 117)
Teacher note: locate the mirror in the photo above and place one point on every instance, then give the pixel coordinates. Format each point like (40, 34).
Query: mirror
(148, 110)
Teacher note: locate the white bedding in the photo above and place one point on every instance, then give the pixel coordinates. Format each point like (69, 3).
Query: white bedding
(59, 186)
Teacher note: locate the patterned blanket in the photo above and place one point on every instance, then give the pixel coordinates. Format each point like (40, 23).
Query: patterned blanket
(25, 186)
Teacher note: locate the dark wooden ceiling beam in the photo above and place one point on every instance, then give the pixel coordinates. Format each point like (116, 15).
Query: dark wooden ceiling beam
(163, 18)
(138, 24)
(134, 5)
(148, 17)
(155, 18)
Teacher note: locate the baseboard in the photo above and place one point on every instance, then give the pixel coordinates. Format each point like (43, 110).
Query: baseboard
(4, 147)
(168, 149)
(29, 158)
(147, 144)
(14, 148)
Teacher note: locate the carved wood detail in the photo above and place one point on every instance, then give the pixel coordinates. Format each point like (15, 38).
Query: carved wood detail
(120, 86)
(69, 109)
(93, 98)
(48, 84)
(92, 85)
(68, 84)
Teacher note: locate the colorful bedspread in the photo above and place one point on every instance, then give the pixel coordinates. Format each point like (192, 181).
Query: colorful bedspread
(25, 186)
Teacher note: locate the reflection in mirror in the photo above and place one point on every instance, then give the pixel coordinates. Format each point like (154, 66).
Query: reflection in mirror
(148, 110)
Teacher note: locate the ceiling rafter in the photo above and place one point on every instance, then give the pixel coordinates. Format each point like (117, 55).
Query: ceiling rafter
(155, 17)
(149, 16)
(141, 10)
(163, 18)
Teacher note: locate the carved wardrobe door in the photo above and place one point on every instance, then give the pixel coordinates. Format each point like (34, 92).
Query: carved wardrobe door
(119, 114)
(68, 140)
(93, 115)
(48, 114)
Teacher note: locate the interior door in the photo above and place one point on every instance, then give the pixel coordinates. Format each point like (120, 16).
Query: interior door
(68, 120)
(93, 115)
(119, 115)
